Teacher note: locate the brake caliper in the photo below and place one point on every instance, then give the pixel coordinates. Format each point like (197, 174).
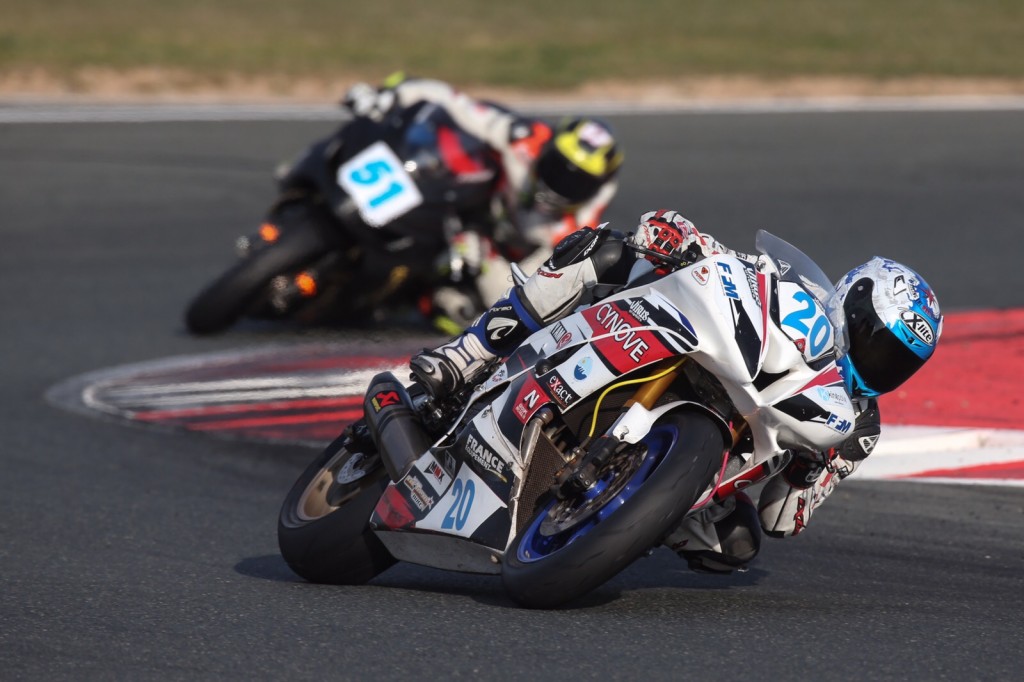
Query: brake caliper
(582, 470)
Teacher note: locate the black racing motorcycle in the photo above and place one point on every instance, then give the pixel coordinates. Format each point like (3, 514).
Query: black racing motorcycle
(363, 221)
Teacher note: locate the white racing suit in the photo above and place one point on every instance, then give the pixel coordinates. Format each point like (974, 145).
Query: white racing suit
(530, 229)
(593, 263)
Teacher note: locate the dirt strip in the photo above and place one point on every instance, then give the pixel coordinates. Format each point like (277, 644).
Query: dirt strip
(168, 85)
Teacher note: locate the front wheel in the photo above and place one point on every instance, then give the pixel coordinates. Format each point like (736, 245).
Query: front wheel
(572, 546)
(323, 530)
(231, 295)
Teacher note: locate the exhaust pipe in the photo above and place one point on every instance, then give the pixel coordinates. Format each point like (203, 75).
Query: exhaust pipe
(393, 425)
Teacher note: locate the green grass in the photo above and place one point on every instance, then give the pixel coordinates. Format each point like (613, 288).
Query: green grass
(521, 43)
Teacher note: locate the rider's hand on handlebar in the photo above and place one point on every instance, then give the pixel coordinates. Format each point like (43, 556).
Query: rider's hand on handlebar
(364, 100)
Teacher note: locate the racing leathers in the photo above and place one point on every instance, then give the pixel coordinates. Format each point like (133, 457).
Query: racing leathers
(527, 226)
(593, 263)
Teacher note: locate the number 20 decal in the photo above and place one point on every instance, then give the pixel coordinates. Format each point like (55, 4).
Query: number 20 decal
(458, 514)
(817, 332)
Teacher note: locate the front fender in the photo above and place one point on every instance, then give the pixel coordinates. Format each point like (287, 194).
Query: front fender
(637, 421)
(310, 170)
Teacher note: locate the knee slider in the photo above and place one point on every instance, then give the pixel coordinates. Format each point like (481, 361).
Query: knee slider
(739, 536)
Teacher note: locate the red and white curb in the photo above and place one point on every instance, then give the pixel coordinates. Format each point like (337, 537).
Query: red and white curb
(947, 455)
(307, 394)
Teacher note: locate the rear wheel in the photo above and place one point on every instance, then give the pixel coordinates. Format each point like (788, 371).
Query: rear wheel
(302, 240)
(323, 529)
(569, 547)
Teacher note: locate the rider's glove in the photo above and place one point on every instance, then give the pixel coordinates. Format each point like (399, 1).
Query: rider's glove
(789, 499)
(364, 100)
(864, 436)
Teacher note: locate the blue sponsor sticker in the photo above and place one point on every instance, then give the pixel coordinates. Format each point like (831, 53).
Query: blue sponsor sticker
(583, 368)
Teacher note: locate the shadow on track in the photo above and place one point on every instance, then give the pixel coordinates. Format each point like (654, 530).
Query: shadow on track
(663, 576)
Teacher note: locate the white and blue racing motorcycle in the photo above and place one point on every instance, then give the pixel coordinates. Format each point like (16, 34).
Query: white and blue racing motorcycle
(581, 450)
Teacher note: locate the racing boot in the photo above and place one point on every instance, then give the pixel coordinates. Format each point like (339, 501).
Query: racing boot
(548, 294)
(452, 366)
(446, 369)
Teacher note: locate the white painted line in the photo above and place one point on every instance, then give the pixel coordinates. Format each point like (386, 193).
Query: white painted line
(911, 450)
(57, 112)
(158, 113)
(108, 396)
(1008, 482)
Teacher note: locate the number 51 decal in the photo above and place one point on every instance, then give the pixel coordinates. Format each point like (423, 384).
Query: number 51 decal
(377, 182)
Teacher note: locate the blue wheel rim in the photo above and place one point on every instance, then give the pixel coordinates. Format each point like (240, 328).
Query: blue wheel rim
(535, 546)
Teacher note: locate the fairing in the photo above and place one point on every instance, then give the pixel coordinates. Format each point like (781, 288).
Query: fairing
(751, 325)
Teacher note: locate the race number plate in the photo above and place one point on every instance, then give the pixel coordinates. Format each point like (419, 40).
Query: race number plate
(804, 321)
(381, 188)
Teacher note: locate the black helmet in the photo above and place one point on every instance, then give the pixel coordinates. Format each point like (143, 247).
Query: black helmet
(576, 162)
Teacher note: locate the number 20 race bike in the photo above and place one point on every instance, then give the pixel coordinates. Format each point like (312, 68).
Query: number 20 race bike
(361, 219)
(580, 451)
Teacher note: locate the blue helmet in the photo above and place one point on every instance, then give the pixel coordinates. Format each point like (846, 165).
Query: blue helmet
(888, 322)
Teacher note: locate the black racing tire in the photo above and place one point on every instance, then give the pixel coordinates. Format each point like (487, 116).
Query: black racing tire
(548, 569)
(228, 298)
(323, 529)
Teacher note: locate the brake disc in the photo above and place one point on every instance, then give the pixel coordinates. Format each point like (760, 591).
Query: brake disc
(611, 481)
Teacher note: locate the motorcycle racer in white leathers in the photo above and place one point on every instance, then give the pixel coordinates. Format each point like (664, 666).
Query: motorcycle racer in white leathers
(886, 321)
(556, 178)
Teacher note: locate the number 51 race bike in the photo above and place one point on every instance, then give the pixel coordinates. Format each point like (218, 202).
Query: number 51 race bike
(580, 451)
(362, 221)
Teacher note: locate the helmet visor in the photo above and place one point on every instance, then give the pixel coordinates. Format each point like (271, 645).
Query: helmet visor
(880, 357)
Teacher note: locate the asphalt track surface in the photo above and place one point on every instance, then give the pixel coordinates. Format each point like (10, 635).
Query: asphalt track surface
(132, 553)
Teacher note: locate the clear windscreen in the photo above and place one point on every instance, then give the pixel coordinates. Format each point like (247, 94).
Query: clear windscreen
(796, 266)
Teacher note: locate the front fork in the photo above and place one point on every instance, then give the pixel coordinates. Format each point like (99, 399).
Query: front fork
(287, 291)
(584, 463)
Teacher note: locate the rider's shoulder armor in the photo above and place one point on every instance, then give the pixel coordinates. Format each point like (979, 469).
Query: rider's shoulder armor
(523, 129)
(526, 135)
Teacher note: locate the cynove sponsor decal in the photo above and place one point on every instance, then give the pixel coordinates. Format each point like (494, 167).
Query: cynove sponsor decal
(625, 345)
